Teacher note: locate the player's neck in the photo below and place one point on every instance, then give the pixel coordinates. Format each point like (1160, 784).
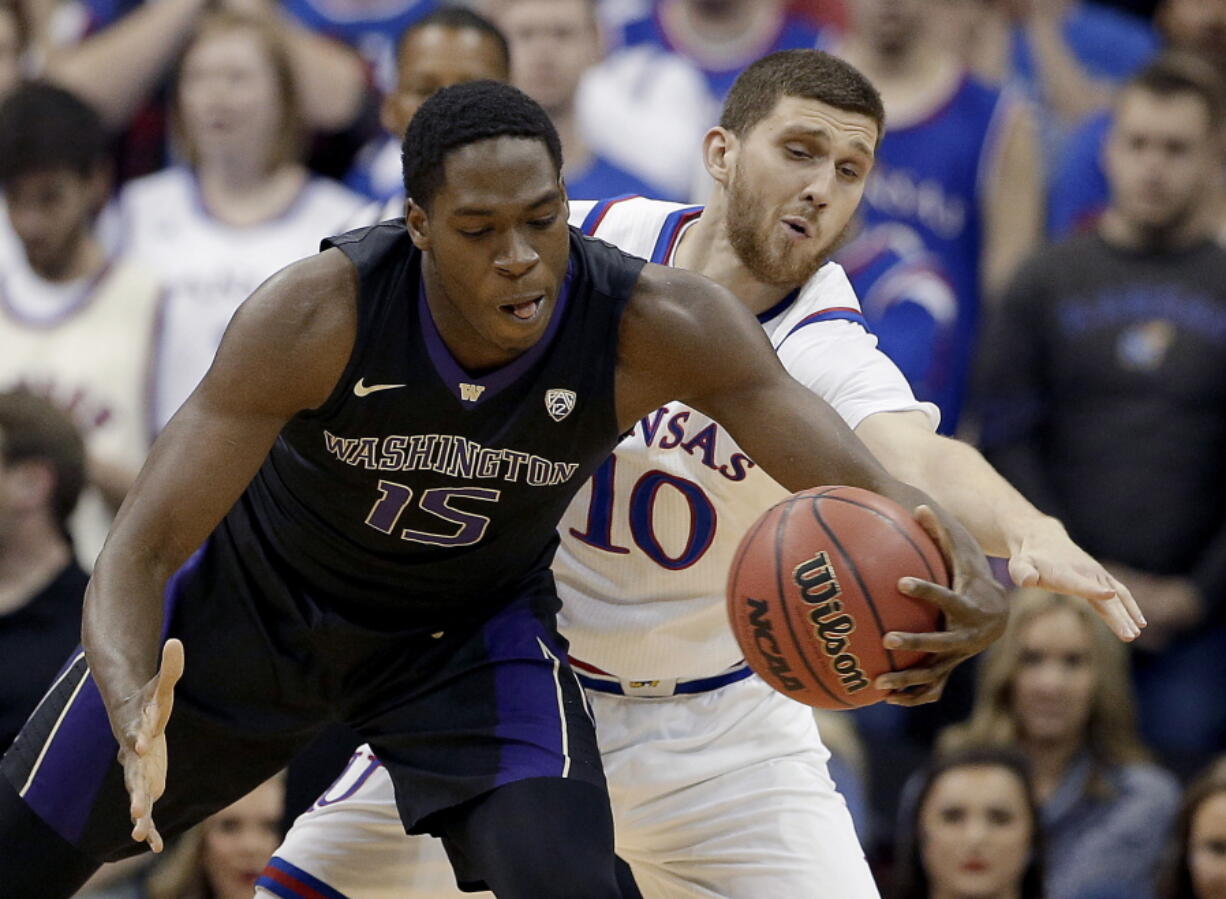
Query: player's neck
(30, 558)
(1010, 891)
(912, 81)
(240, 193)
(706, 249)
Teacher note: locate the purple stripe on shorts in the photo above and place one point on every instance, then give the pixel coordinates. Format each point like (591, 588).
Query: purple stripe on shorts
(72, 769)
(530, 723)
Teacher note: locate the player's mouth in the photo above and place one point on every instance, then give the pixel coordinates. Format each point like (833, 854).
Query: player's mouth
(798, 227)
(974, 866)
(524, 309)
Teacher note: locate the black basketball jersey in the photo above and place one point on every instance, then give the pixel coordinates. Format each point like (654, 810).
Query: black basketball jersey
(418, 491)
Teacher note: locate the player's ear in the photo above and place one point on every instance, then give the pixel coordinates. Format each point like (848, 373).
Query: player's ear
(719, 149)
(418, 224)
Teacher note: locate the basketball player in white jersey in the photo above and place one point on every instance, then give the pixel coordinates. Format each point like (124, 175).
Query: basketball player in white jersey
(75, 325)
(719, 784)
(242, 208)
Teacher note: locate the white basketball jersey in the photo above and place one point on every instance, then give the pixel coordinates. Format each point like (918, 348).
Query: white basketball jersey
(86, 345)
(647, 542)
(210, 267)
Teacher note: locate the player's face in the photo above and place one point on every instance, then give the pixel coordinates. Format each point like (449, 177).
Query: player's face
(1159, 157)
(889, 26)
(435, 57)
(975, 832)
(1053, 688)
(51, 213)
(1207, 848)
(553, 42)
(229, 97)
(497, 240)
(239, 839)
(797, 178)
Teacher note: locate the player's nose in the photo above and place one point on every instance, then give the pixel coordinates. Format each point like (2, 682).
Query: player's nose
(518, 257)
(819, 186)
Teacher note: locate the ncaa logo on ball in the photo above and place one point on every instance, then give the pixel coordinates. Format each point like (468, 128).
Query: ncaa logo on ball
(768, 646)
(819, 587)
(559, 402)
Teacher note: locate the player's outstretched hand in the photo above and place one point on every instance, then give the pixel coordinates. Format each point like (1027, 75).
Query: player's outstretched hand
(1048, 558)
(142, 749)
(975, 611)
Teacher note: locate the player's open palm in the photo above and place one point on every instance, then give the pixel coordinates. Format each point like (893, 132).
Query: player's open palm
(974, 610)
(1051, 560)
(142, 751)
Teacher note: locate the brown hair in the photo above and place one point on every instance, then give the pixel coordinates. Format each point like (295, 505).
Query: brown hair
(911, 877)
(1111, 732)
(1181, 72)
(808, 74)
(1177, 878)
(32, 428)
(291, 134)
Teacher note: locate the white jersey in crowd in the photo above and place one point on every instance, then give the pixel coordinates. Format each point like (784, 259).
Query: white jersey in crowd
(647, 542)
(719, 784)
(88, 346)
(210, 267)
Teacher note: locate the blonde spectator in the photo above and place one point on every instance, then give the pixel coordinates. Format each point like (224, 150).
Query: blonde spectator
(1199, 858)
(971, 830)
(1056, 685)
(242, 207)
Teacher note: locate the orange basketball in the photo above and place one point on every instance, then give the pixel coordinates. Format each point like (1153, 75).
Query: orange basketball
(814, 587)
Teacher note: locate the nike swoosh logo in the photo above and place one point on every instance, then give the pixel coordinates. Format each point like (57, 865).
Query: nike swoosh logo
(360, 389)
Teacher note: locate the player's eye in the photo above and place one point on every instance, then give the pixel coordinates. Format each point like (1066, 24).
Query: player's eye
(543, 223)
(797, 153)
(475, 233)
(851, 173)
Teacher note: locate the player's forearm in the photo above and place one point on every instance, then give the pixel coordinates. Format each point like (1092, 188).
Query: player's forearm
(121, 622)
(959, 478)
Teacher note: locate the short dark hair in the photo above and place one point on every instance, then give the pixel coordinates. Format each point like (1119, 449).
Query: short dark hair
(460, 19)
(34, 428)
(910, 874)
(464, 114)
(1180, 72)
(808, 74)
(46, 128)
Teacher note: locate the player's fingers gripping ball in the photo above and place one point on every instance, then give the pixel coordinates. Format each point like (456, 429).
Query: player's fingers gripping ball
(813, 588)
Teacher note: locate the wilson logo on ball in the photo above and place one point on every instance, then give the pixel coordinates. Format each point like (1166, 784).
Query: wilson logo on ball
(819, 587)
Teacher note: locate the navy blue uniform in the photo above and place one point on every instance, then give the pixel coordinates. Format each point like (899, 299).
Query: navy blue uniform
(388, 567)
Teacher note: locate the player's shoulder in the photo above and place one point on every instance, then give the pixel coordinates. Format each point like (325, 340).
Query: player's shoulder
(633, 223)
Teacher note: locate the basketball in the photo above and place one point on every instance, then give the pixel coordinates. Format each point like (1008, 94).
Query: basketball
(813, 588)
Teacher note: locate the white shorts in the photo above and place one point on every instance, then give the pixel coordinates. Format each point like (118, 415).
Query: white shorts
(719, 795)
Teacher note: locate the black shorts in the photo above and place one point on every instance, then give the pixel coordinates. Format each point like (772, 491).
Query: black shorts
(451, 714)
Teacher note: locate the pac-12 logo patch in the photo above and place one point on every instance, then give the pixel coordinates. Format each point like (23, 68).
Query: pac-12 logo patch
(559, 402)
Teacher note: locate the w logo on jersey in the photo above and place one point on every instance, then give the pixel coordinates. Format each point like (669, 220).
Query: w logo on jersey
(470, 393)
(559, 402)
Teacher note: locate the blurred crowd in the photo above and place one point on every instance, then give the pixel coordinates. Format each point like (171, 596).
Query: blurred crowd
(1041, 250)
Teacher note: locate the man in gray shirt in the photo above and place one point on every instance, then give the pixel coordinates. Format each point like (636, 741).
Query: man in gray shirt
(1105, 393)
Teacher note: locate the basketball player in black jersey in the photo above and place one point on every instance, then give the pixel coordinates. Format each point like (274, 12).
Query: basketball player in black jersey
(352, 519)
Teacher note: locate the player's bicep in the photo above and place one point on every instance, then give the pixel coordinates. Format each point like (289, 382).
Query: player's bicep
(282, 353)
